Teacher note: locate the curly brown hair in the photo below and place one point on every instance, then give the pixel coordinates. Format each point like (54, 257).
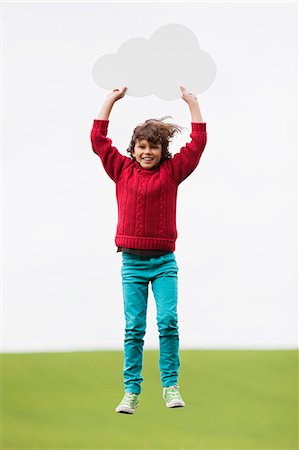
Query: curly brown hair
(155, 132)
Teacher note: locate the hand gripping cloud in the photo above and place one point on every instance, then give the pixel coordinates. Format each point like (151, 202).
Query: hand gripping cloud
(157, 66)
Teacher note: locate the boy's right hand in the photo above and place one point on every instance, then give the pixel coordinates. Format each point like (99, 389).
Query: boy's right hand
(116, 94)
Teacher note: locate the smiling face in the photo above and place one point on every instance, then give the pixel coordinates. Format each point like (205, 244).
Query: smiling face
(146, 154)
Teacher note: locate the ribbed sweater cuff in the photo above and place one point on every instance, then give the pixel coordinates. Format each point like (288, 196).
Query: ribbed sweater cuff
(198, 126)
(102, 124)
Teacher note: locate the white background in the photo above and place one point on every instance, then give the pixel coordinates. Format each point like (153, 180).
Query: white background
(236, 217)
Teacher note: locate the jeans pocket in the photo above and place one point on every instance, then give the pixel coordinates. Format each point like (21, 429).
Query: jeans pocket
(128, 258)
(169, 257)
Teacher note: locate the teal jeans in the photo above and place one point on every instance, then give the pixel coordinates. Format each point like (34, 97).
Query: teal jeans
(162, 272)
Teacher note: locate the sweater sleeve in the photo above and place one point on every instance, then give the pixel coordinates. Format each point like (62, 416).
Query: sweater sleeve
(112, 160)
(184, 162)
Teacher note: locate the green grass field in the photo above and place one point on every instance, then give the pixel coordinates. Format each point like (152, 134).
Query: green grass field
(234, 400)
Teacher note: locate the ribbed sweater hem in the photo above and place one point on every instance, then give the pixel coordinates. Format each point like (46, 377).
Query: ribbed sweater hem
(145, 243)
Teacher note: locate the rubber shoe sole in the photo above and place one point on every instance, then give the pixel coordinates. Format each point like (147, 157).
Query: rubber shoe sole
(175, 404)
(124, 409)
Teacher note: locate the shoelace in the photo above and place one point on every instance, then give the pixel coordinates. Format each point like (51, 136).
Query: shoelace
(173, 392)
(130, 397)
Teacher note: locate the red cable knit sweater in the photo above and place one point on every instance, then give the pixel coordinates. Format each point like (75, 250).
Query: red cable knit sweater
(146, 198)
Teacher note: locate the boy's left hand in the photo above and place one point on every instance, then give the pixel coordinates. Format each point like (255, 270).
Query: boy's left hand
(188, 96)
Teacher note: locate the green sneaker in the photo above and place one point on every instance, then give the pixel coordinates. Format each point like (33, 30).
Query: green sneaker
(172, 396)
(128, 404)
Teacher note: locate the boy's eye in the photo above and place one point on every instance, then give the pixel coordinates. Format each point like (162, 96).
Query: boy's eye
(142, 146)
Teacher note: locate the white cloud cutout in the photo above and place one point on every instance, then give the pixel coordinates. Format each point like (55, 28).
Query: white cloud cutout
(157, 66)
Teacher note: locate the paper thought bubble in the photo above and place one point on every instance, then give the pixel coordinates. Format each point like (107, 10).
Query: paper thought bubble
(157, 66)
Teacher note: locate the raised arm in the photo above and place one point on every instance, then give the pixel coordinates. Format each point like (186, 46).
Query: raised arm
(111, 98)
(113, 161)
(184, 162)
(192, 102)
